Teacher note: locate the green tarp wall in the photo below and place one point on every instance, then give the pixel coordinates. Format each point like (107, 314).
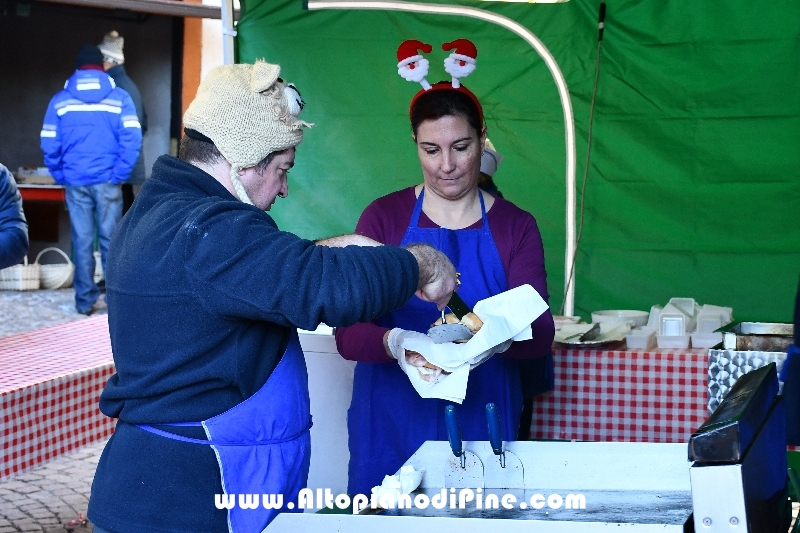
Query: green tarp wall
(694, 184)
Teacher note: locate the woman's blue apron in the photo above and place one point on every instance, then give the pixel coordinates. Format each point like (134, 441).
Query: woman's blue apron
(387, 420)
(790, 375)
(263, 445)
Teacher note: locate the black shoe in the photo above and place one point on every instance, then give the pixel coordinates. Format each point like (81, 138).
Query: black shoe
(86, 312)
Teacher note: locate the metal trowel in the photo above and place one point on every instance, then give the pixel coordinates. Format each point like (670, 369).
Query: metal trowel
(452, 332)
(463, 469)
(449, 333)
(504, 471)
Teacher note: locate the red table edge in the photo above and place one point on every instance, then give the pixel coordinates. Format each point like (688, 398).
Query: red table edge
(43, 194)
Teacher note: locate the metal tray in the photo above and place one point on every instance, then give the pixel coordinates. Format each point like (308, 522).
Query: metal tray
(757, 336)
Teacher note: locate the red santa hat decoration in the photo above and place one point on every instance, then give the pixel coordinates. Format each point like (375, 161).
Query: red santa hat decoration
(461, 62)
(411, 65)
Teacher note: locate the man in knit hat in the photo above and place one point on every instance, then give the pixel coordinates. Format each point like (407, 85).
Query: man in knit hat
(205, 294)
(113, 59)
(91, 139)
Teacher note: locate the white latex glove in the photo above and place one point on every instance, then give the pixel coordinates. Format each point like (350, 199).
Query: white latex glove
(396, 338)
(410, 358)
(483, 357)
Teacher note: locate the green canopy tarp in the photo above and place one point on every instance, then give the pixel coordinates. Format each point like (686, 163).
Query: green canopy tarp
(694, 183)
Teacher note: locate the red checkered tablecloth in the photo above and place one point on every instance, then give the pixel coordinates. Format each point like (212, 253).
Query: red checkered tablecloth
(50, 384)
(624, 396)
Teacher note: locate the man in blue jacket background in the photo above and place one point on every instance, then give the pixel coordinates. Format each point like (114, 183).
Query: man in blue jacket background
(13, 226)
(91, 139)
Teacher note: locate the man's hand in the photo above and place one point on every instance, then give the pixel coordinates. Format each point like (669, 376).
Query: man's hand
(437, 275)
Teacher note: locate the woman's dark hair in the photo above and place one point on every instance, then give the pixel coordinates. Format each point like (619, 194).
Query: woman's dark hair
(435, 104)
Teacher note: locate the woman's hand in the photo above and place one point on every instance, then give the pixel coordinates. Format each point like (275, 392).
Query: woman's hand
(427, 371)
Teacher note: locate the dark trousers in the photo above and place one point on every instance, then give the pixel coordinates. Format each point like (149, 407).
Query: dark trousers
(127, 197)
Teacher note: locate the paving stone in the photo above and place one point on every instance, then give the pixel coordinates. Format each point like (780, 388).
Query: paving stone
(26, 503)
(41, 495)
(24, 488)
(41, 512)
(14, 515)
(28, 525)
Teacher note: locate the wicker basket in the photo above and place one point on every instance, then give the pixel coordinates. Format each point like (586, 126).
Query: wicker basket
(58, 276)
(22, 277)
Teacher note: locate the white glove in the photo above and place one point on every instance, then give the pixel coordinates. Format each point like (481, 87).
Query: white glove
(483, 357)
(396, 338)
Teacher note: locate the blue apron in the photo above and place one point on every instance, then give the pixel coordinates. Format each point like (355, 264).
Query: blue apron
(387, 420)
(790, 375)
(263, 445)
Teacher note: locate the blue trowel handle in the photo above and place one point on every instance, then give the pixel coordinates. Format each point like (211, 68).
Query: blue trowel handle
(453, 431)
(495, 435)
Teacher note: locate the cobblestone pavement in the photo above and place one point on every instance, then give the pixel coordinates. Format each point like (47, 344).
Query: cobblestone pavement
(29, 310)
(46, 498)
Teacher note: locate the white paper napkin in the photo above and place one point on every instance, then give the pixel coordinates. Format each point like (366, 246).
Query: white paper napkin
(505, 316)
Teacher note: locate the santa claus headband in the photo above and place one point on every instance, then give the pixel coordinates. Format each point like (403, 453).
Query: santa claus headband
(412, 66)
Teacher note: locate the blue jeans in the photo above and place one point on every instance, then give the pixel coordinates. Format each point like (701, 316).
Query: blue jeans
(91, 208)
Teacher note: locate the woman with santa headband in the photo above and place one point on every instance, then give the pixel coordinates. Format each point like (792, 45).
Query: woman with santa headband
(495, 246)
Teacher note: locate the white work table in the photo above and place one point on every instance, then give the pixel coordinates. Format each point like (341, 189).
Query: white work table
(330, 383)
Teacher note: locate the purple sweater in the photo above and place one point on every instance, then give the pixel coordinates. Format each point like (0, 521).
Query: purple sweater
(520, 245)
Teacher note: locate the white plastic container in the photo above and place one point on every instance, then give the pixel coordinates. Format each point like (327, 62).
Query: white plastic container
(643, 338)
(708, 322)
(725, 312)
(706, 340)
(655, 317)
(672, 324)
(673, 311)
(687, 305)
(673, 341)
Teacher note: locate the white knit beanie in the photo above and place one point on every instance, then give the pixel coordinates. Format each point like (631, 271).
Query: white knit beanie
(111, 48)
(248, 112)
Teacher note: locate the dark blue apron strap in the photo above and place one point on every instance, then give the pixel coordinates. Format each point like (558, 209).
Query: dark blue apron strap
(191, 440)
(484, 218)
(172, 436)
(417, 210)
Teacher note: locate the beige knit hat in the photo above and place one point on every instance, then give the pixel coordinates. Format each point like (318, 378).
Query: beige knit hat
(248, 112)
(111, 48)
